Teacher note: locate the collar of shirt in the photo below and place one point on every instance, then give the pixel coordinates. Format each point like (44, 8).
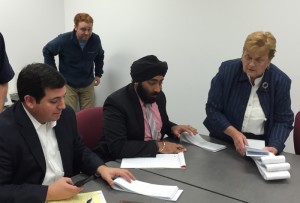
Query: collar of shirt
(37, 124)
(157, 119)
(257, 81)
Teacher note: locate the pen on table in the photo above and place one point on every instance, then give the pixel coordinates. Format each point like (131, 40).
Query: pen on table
(89, 200)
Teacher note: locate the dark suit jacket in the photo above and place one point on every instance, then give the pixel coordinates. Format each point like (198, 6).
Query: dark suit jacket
(6, 71)
(22, 162)
(123, 125)
(228, 98)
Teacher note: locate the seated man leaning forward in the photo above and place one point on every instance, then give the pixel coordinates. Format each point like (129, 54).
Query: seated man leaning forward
(40, 147)
(135, 119)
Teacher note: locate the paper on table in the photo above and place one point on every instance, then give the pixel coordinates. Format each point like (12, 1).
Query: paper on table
(277, 167)
(160, 161)
(97, 197)
(164, 192)
(277, 175)
(272, 159)
(200, 142)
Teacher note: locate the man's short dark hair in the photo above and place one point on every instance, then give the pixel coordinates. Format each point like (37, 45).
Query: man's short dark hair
(35, 78)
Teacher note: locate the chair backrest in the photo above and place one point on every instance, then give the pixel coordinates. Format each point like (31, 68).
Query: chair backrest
(89, 124)
(297, 134)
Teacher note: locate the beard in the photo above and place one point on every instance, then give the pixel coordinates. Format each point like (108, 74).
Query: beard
(145, 96)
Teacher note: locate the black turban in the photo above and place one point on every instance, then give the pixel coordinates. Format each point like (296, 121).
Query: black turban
(147, 68)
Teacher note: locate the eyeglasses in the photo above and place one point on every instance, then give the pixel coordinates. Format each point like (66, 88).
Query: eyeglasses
(248, 59)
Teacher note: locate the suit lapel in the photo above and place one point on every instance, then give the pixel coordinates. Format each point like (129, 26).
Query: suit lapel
(30, 136)
(138, 110)
(62, 143)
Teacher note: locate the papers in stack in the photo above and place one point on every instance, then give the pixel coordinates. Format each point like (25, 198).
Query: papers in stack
(272, 170)
(164, 192)
(95, 197)
(255, 148)
(200, 142)
(271, 167)
(252, 152)
(160, 161)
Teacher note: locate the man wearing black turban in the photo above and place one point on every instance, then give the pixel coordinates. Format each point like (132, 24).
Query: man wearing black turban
(126, 131)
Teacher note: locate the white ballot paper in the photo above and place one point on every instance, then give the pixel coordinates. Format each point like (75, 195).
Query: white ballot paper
(164, 192)
(160, 161)
(255, 148)
(200, 142)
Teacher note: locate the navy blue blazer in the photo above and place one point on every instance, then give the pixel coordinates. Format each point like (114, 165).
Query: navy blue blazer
(123, 125)
(229, 95)
(6, 71)
(22, 162)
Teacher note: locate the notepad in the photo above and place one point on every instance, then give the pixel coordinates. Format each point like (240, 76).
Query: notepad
(165, 192)
(94, 197)
(200, 142)
(160, 161)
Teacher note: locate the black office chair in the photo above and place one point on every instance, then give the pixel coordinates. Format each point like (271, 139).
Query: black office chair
(297, 134)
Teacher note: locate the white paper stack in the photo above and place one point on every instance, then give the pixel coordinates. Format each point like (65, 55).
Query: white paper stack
(160, 161)
(165, 192)
(200, 142)
(273, 167)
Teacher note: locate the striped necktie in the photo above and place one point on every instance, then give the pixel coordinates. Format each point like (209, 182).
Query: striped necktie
(151, 121)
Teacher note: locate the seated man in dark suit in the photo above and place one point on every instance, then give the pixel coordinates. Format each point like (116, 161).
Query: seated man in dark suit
(128, 130)
(40, 147)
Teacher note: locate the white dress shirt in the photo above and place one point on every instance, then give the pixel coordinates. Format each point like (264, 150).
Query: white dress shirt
(254, 118)
(47, 137)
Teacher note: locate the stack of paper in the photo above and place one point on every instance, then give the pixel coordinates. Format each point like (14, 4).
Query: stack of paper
(164, 192)
(271, 167)
(200, 142)
(250, 151)
(160, 161)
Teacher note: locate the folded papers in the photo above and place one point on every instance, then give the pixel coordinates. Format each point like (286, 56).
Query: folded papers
(200, 142)
(164, 192)
(272, 167)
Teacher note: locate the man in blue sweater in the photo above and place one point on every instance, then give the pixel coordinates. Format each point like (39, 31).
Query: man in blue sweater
(80, 61)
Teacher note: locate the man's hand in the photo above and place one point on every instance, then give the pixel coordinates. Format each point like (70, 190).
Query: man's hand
(62, 189)
(108, 173)
(170, 148)
(178, 129)
(97, 80)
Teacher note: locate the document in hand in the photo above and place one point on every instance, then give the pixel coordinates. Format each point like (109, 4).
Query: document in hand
(255, 148)
(250, 151)
(164, 192)
(94, 197)
(200, 142)
(160, 161)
